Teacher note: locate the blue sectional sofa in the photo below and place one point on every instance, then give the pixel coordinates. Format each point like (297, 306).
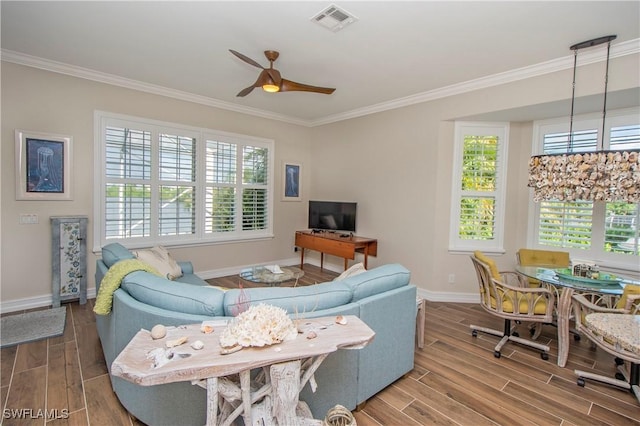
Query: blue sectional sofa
(382, 297)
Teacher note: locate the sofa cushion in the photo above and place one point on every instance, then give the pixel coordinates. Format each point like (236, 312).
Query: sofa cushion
(294, 300)
(115, 252)
(159, 258)
(192, 279)
(112, 280)
(173, 295)
(377, 280)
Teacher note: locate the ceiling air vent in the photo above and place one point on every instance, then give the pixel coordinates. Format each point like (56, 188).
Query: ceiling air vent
(334, 18)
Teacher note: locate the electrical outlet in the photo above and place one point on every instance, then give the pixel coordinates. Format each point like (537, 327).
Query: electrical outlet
(452, 278)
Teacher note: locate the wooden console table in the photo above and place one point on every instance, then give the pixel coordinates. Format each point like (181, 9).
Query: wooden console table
(286, 368)
(333, 243)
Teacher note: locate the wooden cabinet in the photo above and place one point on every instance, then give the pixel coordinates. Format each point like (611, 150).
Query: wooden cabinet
(68, 258)
(335, 244)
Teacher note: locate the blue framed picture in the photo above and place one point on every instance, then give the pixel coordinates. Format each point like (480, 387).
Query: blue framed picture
(43, 166)
(292, 173)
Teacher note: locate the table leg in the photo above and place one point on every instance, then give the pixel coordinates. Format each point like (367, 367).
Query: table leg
(285, 379)
(212, 401)
(321, 260)
(301, 258)
(420, 321)
(564, 314)
(245, 386)
(366, 255)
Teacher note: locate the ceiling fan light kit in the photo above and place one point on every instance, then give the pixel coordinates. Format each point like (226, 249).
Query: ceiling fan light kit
(271, 88)
(271, 81)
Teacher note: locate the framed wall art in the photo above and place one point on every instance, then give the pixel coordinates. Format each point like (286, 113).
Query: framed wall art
(292, 179)
(43, 166)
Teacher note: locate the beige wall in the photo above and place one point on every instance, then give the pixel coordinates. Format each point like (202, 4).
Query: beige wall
(398, 166)
(395, 164)
(41, 101)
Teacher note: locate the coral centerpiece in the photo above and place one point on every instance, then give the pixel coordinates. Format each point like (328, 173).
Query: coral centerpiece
(260, 325)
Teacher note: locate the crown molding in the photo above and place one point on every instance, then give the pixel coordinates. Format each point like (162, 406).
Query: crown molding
(597, 55)
(630, 47)
(100, 77)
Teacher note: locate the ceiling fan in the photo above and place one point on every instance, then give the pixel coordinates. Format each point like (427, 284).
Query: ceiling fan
(271, 81)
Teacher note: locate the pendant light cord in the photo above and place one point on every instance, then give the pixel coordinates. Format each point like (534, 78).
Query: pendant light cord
(575, 48)
(573, 100)
(606, 83)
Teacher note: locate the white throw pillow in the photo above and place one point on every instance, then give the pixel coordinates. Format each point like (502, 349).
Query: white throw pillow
(356, 269)
(159, 258)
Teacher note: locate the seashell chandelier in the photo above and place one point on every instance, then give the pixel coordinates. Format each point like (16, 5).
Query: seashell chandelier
(594, 176)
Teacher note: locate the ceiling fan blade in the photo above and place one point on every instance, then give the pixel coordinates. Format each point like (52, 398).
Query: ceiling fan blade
(245, 91)
(292, 86)
(246, 59)
(275, 75)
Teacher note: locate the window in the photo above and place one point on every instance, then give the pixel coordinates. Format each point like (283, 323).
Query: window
(162, 183)
(603, 232)
(478, 191)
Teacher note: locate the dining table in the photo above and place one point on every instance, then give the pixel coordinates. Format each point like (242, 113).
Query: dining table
(564, 286)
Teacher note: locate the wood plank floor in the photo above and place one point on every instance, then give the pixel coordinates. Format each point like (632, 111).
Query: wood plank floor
(456, 379)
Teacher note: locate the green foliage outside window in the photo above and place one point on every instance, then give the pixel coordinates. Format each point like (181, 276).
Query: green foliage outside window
(479, 175)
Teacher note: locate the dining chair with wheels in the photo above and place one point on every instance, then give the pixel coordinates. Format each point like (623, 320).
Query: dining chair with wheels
(507, 295)
(610, 335)
(548, 259)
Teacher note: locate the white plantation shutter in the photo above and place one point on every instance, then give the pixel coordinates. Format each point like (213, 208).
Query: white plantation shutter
(567, 224)
(564, 224)
(622, 228)
(237, 185)
(221, 177)
(127, 191)
(177, 167)
(161, 183)
(622, 220)
(478, 189)
(254, 188)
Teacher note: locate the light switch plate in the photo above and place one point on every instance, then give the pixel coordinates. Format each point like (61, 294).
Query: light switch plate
(28, 218)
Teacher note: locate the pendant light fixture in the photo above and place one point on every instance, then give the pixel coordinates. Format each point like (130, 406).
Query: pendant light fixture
(594, 176)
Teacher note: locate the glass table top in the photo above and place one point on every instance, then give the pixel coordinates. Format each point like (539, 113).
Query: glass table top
(614, 285)
(261, 274)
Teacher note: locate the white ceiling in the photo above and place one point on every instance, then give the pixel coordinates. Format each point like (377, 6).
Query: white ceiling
(396, 53)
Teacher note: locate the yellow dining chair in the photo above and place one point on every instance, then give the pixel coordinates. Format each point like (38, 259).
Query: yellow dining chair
(627, 376)
(508, 296)
(546, 259)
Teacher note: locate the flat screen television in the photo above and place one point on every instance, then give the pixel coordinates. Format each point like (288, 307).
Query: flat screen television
(332, 215)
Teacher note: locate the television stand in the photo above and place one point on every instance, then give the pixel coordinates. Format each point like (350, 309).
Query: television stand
(334, 243)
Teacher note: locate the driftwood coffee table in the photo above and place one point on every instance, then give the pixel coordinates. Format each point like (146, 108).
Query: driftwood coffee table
(286, 368)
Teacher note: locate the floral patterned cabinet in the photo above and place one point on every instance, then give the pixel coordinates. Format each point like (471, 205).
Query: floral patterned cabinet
(69, 258)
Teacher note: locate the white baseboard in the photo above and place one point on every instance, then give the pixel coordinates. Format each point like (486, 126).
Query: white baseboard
(432, 296)
(441, 296)
(34, 302)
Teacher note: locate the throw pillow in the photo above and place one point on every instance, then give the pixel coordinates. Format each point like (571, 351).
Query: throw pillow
(159, 258)
(356, 269)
